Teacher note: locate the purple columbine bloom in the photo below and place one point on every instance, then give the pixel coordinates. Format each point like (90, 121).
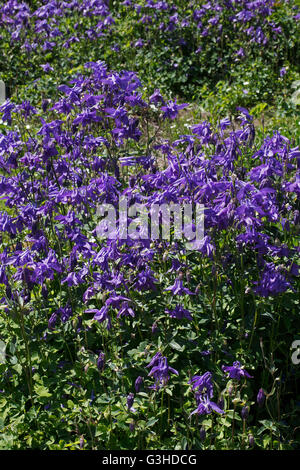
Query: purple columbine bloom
(178, 289)
(236, 371)
(101, 315)
(160, 370)
(203, 383)
(47, 68)
(171, 109)
(205, 406)
(132, 426)
(125, 310)
(180, 313)
(156, 98)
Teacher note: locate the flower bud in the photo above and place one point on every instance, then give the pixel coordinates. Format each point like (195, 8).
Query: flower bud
(260, 397)
(138, 383)
(245, 412)
(221, 403)
(132, 426)
(202, 434)
(251, 440)
(101, 361)
(130, 400)
(197, 290)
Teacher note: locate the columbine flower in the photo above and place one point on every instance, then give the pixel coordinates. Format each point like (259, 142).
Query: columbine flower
(125, 310)
(203, 383)
(156, 97)
(236, 371)
(178, 289)
(47, 68)
(160, 370)
(180, 313)
(205, 406)
(101, 315)
(52, 321)
(171, 109)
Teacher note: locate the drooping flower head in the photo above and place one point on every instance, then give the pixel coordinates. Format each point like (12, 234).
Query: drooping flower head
(206, 406)
(203, 383)
(236, 371)
(160, 371)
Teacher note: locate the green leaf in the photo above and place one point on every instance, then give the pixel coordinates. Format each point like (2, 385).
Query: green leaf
(151, 421)
(42, 391)
(177, 346)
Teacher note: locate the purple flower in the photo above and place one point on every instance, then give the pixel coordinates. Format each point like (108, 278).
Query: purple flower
(282, 72)
(245, 116)
(203, 383)
(272, 282)
(160, 370)
(171, 109)
(179, 312)
(236, 371)
(156, 98)
(251, 440)
(178, 289)
(52, 321)
(101, 315)
(47, 68)
(206, 406)
(7, 108)
(125, 310)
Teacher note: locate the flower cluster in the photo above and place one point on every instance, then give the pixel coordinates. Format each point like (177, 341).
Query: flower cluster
(52, 184)
(68, 29)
